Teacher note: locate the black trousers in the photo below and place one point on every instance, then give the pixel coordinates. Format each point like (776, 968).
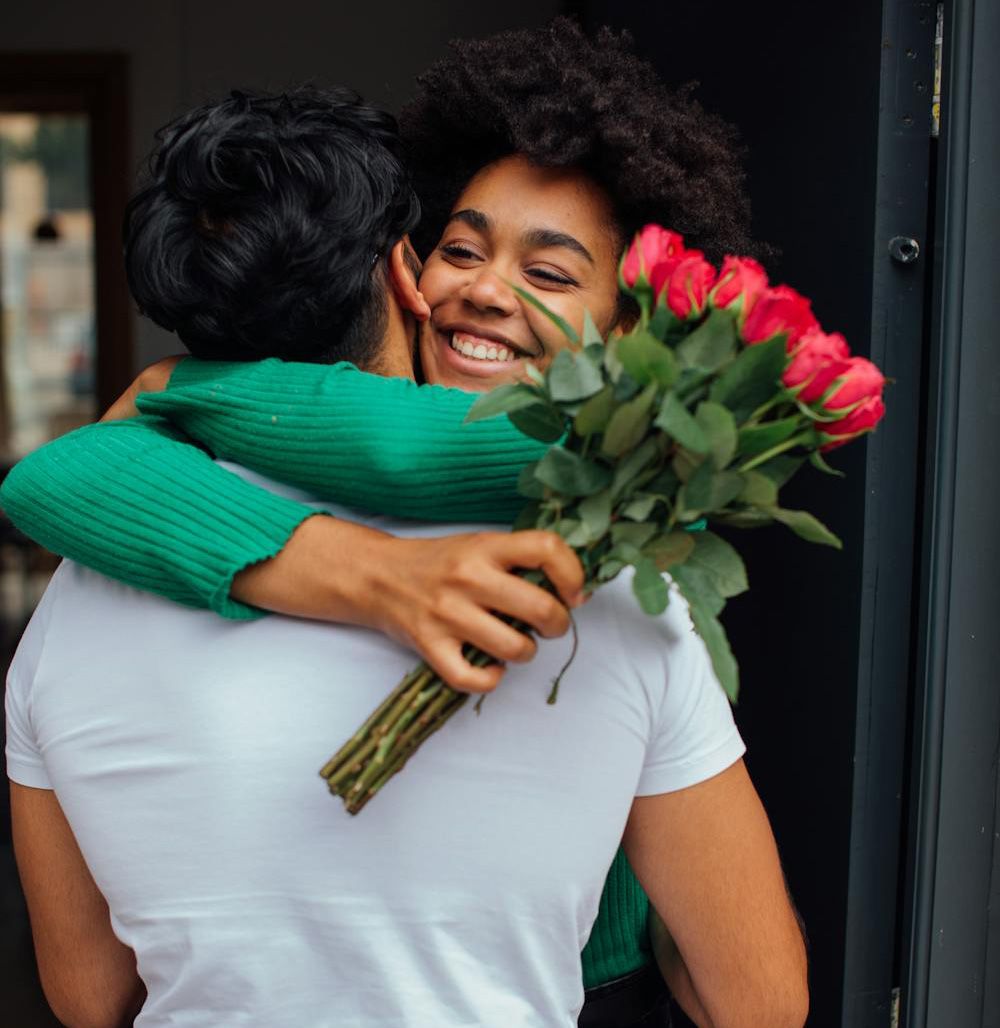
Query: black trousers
(639, 1000)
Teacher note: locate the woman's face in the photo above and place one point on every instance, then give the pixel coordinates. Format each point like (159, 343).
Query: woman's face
(549, 231)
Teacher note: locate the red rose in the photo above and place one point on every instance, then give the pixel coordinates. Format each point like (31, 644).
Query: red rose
(859, 381)
(741, 281)
(683, 284)
(779, 309)
(652, 246)
(817, 360)
(862, 419)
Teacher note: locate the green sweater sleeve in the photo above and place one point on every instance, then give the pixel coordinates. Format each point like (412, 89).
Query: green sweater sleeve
(381, 444)
(138, 502)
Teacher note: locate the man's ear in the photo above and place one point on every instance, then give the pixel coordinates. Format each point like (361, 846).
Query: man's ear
(403, 271)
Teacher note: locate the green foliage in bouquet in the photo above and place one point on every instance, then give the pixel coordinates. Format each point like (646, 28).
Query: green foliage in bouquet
(723, 388)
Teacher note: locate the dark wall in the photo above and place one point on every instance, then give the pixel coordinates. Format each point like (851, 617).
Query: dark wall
(805, 96)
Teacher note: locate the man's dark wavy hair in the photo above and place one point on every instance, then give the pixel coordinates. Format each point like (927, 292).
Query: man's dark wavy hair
(259, 228)
(563, 99)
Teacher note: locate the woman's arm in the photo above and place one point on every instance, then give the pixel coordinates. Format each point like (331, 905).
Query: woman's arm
(381, 444)
(135, 501)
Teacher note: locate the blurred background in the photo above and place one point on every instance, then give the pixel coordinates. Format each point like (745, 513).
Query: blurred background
(870, 705)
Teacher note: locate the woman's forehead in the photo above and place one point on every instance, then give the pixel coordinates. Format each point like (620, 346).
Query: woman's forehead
(540, 206)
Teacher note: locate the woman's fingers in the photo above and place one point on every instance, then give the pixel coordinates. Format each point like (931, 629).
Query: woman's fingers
(508, 594)
(547, 552)
(447, 660)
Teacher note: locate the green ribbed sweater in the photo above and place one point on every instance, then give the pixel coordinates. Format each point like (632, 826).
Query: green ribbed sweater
(138, 502)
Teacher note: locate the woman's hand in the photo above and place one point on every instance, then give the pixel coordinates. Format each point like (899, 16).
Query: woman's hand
(153, 380)
(430, 594)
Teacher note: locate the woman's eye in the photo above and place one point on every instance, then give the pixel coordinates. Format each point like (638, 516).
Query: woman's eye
(546, 275)
(458, 252)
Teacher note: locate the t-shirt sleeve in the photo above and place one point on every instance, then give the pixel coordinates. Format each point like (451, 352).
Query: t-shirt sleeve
(694, 734)
(362, 440)
(25, 764)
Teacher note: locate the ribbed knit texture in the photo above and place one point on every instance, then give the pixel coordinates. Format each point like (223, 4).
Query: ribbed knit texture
(135, 501)
(402, 449)
(619, 943)
(138, 503)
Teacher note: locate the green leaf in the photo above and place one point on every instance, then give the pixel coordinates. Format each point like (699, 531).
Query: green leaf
(528, 485)
(758, 490)
(640, 508)
(755, 439)
(664, 484)
(707, 625)
(608, 569)
(561, 323)
(591, 333)
(628, 470)
(780, 469)
(719, 428)
(646, 359)
(502, 400)
(574, 532)
(806, 526)
(749, 518)
(675, 419)
(628, 424)
(573, 377)
(721, 563)
(708, 489)
(527, 518)
(595, 414)
(711, 344)
(752, 379)
(570, 474)
(595, 513)
(535, 375)
(632, 534)
(694, 581)
(817, 461)
(669, 549)
(540, 421)
(650, 588)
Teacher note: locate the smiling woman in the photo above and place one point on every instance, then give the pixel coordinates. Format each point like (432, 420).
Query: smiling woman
(546, 230)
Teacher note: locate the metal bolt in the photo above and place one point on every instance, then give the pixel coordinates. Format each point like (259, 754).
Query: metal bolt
(904, 249)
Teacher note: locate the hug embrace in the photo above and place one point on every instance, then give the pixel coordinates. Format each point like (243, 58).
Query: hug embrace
(262, 534)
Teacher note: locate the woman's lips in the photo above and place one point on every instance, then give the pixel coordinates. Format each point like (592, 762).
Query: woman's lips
(473, 356)
(480, 348)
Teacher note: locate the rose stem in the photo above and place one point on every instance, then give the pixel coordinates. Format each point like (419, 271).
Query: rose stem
(382, 719)
(451, 702)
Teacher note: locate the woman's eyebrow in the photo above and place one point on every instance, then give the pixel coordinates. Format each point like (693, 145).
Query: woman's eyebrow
(474, 219)
(546, 237)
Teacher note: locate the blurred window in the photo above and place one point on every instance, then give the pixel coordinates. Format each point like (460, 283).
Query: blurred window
(47, 333)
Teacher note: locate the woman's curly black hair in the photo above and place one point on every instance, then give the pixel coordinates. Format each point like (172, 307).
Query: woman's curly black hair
(562, 99)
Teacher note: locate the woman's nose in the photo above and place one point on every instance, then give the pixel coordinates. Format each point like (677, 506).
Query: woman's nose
(489, 292)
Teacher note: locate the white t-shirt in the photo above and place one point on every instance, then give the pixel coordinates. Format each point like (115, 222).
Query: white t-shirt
(184, 750)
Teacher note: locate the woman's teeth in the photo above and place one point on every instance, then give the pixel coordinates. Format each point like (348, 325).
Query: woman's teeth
(478, 350)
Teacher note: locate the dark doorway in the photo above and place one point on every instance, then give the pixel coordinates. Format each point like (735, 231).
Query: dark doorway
(834, 105)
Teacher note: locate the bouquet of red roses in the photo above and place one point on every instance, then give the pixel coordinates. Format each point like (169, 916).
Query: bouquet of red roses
(721, 391)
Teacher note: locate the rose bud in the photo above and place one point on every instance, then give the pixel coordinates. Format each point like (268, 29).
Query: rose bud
(858, 382)
(741, 281)
(817, 360)
(684, 285)
(779, 309)
(652, 246)
(862, 419)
